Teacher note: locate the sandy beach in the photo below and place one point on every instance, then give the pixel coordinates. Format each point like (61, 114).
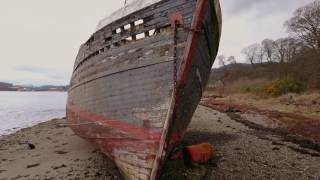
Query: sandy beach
(58, 154)
(242, 152)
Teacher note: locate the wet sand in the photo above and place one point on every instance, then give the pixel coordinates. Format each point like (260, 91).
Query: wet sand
(243, 152)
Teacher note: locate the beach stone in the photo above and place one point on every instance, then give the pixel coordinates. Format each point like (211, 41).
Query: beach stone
(31, 146)
(32, 165)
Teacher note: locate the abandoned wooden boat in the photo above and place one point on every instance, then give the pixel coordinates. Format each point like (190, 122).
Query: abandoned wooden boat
(139, 78)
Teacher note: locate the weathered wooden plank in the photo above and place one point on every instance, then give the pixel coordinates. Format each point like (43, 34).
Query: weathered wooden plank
(97, 45)
(132, 50)
(148, 44)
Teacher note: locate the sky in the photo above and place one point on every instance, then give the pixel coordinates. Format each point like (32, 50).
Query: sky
(39, 39)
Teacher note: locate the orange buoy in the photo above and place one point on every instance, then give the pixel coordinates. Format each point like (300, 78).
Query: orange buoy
(200, 153)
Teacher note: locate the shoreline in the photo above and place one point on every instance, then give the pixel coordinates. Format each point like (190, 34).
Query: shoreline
(34, 91)
(8, 132)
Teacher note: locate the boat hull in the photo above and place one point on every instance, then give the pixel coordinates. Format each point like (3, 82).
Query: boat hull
(136, 86)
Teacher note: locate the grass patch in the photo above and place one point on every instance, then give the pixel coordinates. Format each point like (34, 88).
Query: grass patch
(284, 86)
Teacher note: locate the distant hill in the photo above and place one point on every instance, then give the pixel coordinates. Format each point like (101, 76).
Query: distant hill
(11, 87)
(225, 71)
(7, 87)
(235, 72)
(305, 69)
(51, 88)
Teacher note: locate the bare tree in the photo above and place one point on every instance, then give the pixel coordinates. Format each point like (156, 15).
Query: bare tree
(305, 25)
(232, 60)
(269, 48)
(286, 49)
(251, 53)
(280, 50)
(292, 49)
(260, 54)
(222, 60)
(223, 63)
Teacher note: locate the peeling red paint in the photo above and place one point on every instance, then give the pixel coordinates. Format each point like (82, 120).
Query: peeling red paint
(122, 126)
(176, 19)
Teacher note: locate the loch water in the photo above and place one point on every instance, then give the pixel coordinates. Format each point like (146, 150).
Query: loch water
(24, 109)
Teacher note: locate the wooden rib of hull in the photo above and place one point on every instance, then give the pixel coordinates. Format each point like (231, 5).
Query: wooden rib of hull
(122, 96)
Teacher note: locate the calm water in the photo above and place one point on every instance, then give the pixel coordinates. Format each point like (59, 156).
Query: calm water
(23, 109)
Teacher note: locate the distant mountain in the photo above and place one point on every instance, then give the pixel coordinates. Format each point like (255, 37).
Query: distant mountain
(51, 88)
(11, 87)
(7, 87)
(2, 84)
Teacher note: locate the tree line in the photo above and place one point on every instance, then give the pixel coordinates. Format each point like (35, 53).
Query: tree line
(304, 37)
(296, 55)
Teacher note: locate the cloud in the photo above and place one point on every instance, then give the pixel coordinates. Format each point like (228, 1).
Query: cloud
(39, 76)
(31, 69)
(35, 34)
(46, 42)
(260, 7)
(250, 21)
